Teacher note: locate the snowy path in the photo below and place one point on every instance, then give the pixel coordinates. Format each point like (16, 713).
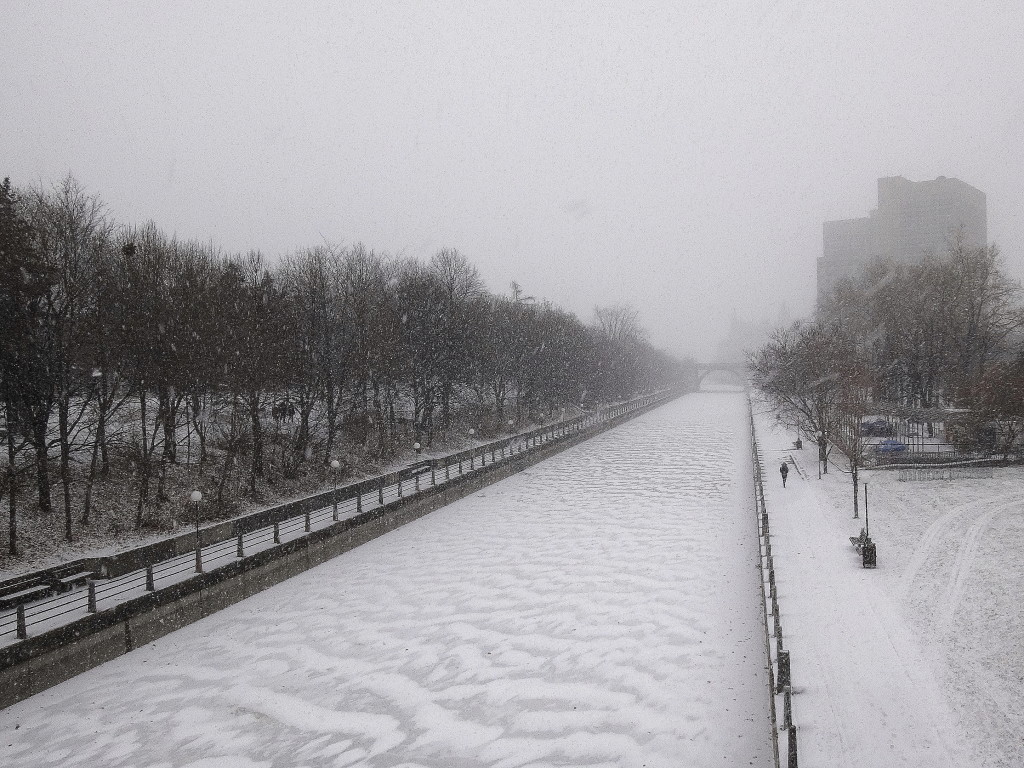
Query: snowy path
(599, 609)
(866, 692)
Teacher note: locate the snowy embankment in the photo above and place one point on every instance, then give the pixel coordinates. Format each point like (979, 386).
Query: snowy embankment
(601, 608)
(919, 661)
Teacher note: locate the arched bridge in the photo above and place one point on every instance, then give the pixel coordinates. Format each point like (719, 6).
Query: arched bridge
(737, 368)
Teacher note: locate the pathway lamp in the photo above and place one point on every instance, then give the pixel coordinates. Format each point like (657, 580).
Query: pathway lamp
(511, 426)
(335, 464)
(417, 447)
(196, 498)
(869, 553)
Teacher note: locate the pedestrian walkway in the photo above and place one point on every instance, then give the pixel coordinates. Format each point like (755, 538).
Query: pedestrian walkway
(864, 694)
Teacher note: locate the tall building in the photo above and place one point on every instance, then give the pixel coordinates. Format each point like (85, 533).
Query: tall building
(912, 219)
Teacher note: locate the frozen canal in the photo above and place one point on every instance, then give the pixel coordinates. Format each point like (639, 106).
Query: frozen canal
(600, 609)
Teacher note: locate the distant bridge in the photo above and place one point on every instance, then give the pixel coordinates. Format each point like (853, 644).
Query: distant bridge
(737, 368)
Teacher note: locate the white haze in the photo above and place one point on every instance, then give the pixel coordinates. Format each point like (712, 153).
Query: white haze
(680, 156)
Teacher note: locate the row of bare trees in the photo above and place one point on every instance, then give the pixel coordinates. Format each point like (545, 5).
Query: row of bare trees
(944, 332)
(122, 339)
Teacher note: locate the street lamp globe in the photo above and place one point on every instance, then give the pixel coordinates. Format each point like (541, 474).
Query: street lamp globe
(196, 497)
(335, 464)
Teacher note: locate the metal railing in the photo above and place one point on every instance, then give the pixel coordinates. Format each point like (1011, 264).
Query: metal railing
(779, 678)
(42, 615)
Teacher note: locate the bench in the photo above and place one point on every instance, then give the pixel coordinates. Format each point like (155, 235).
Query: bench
(68, 582)
(865, 548)
(859, 541)
(14, 599)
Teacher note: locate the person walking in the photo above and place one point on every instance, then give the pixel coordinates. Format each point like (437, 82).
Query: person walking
(784, 471)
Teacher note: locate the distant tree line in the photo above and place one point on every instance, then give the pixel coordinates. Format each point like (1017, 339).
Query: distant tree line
(944, 332)
(119, 339)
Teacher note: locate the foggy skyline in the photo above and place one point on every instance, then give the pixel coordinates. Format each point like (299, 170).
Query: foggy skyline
(677, 156)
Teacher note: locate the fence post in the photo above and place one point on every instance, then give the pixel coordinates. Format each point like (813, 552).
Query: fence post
(783, 680)
(399, 487)
(306, 520)
(22, 626)
(787, 708)
(277, 533)
(150, 581)
(472, 461)
(380, 492)
(433, 477)
(359, 503)
(240, 552)
(447, 469)
(792, 746)
(91, 585)
(417, 482)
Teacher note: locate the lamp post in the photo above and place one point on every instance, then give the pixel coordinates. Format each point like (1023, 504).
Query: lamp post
(511, 426)
(334, 471)
(417, 447)
(197, 498)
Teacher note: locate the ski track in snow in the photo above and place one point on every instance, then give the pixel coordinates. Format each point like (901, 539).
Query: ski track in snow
(599, 609)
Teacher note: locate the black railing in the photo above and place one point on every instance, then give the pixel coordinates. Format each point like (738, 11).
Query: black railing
(780, 686)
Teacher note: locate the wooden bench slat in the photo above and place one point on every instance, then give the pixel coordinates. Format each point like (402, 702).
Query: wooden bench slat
(12, 599)
(74, 578)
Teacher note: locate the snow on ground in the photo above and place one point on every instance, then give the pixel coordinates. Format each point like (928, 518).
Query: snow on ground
(918, 662)
(600, 609)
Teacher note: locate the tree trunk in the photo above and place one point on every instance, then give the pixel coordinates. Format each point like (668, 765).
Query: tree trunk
(42, 466)
(256, 468)
(12, 547)
(200, 429)
(101, 428)
(332, 420)
(168, 419)
(87, 507)
(144, 454)
(853, 472)
(65, 461)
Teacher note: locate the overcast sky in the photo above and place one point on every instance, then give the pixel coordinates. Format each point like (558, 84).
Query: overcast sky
(680, 156)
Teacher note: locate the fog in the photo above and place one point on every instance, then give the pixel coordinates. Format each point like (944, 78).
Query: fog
(679, 156)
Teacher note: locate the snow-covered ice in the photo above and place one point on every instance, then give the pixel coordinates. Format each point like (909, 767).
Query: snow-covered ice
(599, 609)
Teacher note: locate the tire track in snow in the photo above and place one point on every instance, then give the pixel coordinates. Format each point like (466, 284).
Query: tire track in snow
(924, 548)
(962, 567)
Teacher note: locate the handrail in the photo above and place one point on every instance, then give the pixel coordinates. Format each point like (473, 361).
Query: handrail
(779, 678)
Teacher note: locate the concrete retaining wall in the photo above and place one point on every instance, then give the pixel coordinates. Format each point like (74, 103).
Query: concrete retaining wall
(44, 660)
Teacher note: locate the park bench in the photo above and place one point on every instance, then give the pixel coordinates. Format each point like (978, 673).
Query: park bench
(865, 548)
(68, 582)
(23, 594)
